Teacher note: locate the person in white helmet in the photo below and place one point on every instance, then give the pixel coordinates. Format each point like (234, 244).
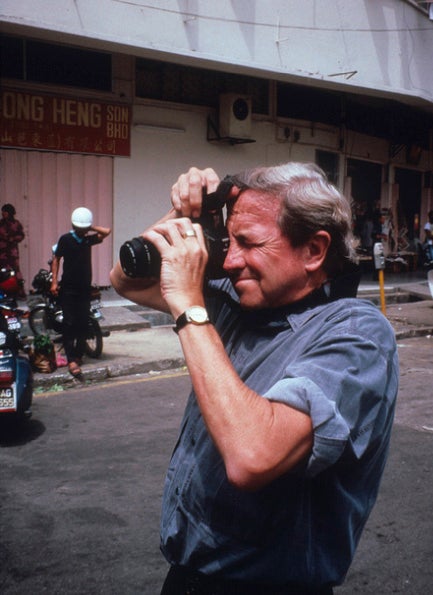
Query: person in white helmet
(74, 248)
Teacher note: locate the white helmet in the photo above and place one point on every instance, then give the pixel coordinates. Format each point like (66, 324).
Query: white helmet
(82, 218)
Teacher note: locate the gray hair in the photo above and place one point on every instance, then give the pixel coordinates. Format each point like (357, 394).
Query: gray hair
(309, 203)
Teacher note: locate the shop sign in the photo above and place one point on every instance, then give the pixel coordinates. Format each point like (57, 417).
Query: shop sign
(54, 123)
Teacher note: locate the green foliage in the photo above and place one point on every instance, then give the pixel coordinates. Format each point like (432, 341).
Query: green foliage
(43, 344)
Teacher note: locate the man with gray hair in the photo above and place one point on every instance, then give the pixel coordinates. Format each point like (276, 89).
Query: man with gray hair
(294, 382)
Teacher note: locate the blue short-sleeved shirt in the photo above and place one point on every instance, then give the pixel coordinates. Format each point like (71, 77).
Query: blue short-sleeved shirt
(336, 361)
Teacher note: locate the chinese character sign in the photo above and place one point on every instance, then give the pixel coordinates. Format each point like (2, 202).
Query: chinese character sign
(51, 123)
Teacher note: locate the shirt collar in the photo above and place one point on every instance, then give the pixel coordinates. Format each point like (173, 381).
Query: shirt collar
(295, 314)
(279, 319)
(76, 236)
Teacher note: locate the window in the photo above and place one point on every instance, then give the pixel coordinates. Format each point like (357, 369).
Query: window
(196, 86)
(329, 163)
(383, 118)
(42, 62)
(307, 103)
(11, 57)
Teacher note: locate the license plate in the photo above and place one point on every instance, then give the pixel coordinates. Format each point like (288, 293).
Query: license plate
(7, 399)
(14, 324)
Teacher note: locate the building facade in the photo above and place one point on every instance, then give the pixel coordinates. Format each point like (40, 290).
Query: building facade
(104, 103)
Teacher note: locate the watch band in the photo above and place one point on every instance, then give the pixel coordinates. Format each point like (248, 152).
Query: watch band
(193, 315)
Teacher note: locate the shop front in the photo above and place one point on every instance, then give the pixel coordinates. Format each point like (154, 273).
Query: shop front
(57, 153)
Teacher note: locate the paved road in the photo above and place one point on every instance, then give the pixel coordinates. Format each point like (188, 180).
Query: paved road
(396, 551)
(80, 491)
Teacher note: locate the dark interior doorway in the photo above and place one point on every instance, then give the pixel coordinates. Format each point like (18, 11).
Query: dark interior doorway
(409, 200)
(366, 182)
(366, 189)
(329, 162)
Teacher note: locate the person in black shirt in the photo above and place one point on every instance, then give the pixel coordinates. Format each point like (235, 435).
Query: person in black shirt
(75, 249)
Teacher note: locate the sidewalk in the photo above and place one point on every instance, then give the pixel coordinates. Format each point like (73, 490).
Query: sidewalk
(142, 340)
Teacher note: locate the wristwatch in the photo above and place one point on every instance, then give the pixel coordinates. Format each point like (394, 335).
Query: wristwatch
(193, 315)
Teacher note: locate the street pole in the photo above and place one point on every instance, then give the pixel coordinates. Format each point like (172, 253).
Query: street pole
(379, 264)
(382, 292)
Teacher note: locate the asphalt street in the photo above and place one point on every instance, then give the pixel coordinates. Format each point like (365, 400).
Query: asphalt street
(81, 486)
(80, 489)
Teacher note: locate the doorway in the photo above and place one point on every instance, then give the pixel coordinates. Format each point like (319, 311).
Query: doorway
(409, 201)
(366, 182)
(45, 187)
(366, 189)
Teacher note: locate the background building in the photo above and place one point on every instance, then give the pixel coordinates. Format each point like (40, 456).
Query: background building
(104, 103)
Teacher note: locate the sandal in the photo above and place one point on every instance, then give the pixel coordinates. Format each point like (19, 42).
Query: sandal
(74, 369)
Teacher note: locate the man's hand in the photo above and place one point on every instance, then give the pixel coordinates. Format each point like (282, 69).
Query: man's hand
(186, 193)
(183, 257)
(183, 262)
(55, 265)
(54, 289)
(102, 232)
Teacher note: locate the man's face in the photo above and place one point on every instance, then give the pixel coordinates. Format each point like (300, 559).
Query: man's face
(81, 231)
(265, 269)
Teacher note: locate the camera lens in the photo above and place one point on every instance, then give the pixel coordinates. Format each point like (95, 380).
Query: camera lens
(140, 258)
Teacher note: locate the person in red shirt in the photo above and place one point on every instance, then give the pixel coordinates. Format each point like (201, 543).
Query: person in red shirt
(11, 234)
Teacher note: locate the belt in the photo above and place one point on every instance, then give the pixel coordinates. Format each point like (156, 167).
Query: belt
(182, 581)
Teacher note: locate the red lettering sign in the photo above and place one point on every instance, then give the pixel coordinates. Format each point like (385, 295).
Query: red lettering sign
(50, 123)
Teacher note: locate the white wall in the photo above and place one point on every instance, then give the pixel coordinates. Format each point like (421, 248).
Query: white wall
(159, 155)
(381, 47)
(384, 46)
(142, 183)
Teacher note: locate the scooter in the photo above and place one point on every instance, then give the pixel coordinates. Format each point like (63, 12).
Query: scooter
(16, 376)
(9, 285)
(46, 314)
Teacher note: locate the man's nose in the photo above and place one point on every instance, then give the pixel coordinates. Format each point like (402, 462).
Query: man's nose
(234, 258)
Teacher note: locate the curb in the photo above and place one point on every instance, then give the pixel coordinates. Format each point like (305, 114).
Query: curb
(45, 382)
(421, 331)
(130, 364)
(93, 373)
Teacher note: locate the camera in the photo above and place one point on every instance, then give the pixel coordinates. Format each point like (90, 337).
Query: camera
(140, 258)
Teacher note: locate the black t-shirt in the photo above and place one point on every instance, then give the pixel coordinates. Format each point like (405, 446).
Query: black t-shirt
(77, 261)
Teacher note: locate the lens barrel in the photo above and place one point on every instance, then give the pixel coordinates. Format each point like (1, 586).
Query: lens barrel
(140, 258)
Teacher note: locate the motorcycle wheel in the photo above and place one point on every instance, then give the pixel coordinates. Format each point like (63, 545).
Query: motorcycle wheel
(93, 345)
(38, 321)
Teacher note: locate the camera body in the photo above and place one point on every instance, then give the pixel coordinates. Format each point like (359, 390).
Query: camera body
(140, 258)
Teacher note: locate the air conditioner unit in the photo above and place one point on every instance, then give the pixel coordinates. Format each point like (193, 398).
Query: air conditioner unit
(234, 116)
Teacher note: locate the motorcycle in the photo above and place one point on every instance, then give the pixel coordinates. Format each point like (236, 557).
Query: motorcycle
(9, 285)
(16, 376)
(46, 316)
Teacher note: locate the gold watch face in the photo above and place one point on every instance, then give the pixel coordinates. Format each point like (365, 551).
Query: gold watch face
(197, 314)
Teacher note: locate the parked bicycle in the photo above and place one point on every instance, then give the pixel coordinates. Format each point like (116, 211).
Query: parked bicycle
(46, 316)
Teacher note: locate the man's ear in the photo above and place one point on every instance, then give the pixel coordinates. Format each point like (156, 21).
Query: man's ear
(317, 249)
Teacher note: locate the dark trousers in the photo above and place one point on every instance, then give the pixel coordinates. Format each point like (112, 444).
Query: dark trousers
(181, 581)
(76, 310)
